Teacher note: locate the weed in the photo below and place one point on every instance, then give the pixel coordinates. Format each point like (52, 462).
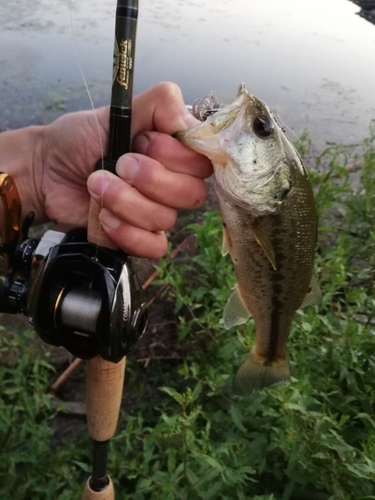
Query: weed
(310, 439)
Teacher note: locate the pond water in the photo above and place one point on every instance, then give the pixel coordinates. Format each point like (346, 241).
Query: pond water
(311, 61)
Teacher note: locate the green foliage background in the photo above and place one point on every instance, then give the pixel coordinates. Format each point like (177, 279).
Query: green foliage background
(311, 439)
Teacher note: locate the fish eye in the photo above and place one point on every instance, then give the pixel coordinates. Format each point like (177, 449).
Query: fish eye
(262, 126)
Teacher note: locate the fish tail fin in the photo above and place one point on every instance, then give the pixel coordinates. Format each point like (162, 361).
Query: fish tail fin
(257, 373)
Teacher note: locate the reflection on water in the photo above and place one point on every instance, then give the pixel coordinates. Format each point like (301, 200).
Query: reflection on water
(311, 61)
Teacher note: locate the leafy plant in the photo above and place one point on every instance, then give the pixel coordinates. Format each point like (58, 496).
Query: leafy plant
(189, 437)
(29, 462)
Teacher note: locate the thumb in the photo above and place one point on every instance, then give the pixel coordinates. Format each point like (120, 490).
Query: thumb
(161, 108)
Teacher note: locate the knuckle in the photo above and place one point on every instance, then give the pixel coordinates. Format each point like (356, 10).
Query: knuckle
(149, 245)
(169, 91)
(155, 148)
(155, 184)
(149, 180)
(166, 219)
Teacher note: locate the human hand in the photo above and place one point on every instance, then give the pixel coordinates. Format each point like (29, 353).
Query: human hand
(157, 178)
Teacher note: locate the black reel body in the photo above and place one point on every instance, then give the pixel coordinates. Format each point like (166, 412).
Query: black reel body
(80, 296)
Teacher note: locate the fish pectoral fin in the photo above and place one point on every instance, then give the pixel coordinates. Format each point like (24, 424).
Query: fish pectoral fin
(235, 311)
(314, 294)
(262, 238)
(225, 249)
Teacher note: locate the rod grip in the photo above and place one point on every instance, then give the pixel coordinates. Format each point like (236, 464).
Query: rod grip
(104, 384)
(95, 232)
(107, 494)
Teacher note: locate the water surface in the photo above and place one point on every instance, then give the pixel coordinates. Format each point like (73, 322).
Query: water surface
(312, 62)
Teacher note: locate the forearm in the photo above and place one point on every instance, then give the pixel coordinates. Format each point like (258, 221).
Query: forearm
(20, 152)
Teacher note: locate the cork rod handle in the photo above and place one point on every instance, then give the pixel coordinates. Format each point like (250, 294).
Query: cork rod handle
(107, 494)
(104, 380)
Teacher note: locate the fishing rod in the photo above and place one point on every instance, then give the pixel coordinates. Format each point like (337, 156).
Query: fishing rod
(79, 290)
(104, 380)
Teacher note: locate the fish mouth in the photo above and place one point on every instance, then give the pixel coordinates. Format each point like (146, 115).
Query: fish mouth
(253, 105)
(221, 119)
(212, 136)
(205, 138)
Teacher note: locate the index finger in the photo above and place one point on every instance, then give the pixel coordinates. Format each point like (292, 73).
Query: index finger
(171, 153)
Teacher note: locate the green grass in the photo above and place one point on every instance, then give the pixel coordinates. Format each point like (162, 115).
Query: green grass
(311, 439)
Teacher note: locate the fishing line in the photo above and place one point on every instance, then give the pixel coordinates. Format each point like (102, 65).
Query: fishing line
(101, 161)
(85, 83)
(93, 108)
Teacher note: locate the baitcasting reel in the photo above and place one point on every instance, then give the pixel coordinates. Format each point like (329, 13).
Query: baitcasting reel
(77, 295)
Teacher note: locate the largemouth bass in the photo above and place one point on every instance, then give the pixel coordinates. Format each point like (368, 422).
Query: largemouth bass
(270, 228)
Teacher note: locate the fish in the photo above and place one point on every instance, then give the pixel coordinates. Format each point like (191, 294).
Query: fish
(269, 222)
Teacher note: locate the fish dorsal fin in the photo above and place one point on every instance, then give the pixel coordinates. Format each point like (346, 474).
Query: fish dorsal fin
(314, 294)
(264, 241)
(235, 311)
(225, 249)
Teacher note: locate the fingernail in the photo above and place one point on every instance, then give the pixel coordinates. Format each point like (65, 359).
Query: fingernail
(97, 183)
(140, 143)
(108, 219)
(190, 121)
(127, 168)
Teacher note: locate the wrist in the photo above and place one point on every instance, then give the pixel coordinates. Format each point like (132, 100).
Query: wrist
(21, 157)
